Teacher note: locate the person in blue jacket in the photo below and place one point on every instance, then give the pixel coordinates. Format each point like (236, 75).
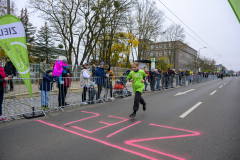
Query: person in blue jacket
(100, 78)
(46, 86)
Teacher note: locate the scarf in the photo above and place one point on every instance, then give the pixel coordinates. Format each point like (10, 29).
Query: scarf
(2, 73)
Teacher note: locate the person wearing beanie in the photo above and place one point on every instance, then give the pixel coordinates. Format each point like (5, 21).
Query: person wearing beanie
(65, 61)
(46, 86)
(100, 78)
(85, 81)
(92, 93)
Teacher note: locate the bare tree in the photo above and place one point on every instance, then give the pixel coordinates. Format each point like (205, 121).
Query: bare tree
(174, 34)
(149, 22)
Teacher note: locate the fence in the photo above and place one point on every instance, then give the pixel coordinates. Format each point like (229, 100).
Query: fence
(75, 70)
(18, 102)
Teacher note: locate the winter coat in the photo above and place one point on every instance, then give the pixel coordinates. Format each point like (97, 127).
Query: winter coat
(2, 80)
(145, 78)
(152, 74)
(100, 76)
(64, 74)
(10, 69)
(128, 71)
(171, 72)
(92, 92)
(47, 82)
(84, 81)
(93, 71)
(158, 76)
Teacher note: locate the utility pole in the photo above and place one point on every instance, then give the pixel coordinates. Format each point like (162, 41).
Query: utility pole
(8, 6)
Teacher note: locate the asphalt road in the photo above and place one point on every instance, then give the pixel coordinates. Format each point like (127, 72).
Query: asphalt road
(196, 122)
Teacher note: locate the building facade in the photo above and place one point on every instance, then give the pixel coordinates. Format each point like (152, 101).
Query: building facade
(178, 53)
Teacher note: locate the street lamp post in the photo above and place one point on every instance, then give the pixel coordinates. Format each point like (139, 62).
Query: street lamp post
(8, 6)
(199, 55)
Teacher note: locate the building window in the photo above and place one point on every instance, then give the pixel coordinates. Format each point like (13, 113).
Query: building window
(160, 45)
(160, 53)
(165, 53)
(156, 45)
(147, 54)
(170, 44)
(156, 53)
(170, 52)
(165, 45)
(151, 54)
(152, 46)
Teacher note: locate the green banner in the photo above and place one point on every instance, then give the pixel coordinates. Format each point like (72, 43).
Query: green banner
(13, 42)
(235, 4)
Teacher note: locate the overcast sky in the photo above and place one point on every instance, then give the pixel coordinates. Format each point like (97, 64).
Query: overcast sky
(212, 20)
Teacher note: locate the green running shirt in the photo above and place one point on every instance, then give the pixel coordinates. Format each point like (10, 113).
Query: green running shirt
(137, 77)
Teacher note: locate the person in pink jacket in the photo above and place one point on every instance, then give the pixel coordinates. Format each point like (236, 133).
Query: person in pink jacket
(145, 79)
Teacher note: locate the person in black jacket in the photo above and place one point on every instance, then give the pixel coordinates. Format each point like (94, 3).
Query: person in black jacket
(166, 77)
(3, 80)
(153, 80)
(10, 70)
(171, 76)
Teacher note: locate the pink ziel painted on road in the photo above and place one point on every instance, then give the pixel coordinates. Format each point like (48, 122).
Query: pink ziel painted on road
(96, 114)
(100, 141)
(122, 129)
(107, 125)
(156, 138)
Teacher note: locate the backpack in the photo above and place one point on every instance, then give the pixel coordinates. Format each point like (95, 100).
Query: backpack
(67, 81)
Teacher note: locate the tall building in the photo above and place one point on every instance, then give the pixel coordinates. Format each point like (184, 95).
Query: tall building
(178, 53)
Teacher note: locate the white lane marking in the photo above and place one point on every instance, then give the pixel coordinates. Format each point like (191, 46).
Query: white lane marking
(190, 110)
(181, 93)
(224, 83)
(220, 87)
(213, 92)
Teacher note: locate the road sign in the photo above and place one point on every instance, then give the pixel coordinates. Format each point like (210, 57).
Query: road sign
(153, 63)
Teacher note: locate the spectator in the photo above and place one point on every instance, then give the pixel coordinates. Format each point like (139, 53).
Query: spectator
(100, 78)
(171, 75)
(92, 93)
(3, 80)
(10, 70)
(94, 72)
(61, 70)
(45, 87)
(180, 75)
(128, 71)
(158, 77)
(145, 78)
(153, 81)
(166, 79)
(111, 77)
(85, 81)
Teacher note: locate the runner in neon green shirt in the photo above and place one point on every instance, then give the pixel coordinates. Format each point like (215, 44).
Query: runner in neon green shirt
(136, 77)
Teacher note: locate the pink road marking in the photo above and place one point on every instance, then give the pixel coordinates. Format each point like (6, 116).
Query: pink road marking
(100, 141)
(168, 137)
(96, 114)
(123, 129)
(107, 125)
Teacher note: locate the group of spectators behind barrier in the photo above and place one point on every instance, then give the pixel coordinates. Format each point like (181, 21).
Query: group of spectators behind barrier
(19, 102)
(75, 70)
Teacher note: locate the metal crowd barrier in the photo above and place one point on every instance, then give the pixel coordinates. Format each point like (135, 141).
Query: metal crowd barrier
(19, 102)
